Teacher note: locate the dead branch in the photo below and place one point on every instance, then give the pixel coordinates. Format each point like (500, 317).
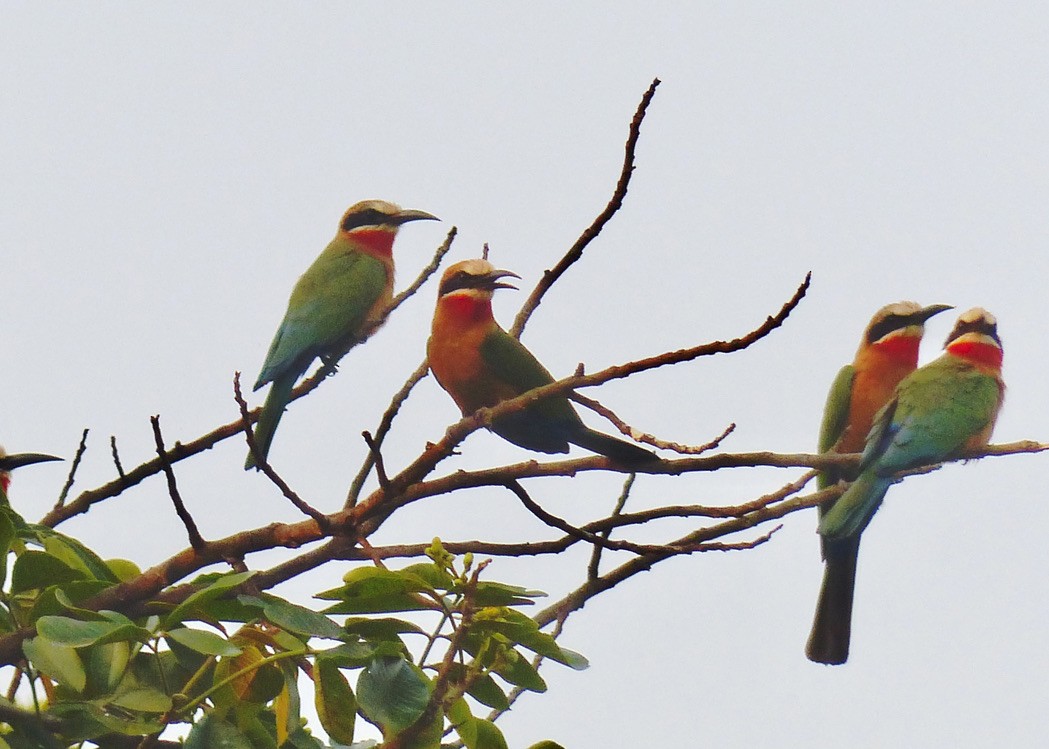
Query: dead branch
(81, 449)
(195, 539)
(263, 464)
(576, 250)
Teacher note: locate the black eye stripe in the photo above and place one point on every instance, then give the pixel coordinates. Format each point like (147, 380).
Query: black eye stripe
(980, 326)
(367, 217)
(886, 325)
(460, 280)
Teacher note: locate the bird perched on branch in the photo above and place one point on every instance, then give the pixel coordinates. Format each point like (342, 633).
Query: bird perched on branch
(333, 305)
(888, 352)
(949, 405)
(10, 462)
(480, 365)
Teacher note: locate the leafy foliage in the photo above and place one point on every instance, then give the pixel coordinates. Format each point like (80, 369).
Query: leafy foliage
(230, 662)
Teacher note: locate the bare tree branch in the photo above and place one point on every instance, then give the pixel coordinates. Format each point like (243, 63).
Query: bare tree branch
(263, 464)
(195, 539)
(576, 250)
(81, 449)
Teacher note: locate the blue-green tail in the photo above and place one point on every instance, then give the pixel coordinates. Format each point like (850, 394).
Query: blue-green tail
(855, 508)
(272, 410)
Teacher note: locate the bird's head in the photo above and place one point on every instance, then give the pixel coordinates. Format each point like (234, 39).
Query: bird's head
(10, 462)
(475, 279)
(374, 223)
(975, 338)
(378, 214)
(898, 328)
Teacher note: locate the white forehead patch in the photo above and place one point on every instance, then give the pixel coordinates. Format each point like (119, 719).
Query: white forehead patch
(898, 308)
(976, 314)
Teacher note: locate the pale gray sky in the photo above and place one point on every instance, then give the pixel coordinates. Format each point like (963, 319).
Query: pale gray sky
(169, 171)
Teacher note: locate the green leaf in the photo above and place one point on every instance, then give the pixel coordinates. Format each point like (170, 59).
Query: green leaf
(38, 569)
(515, 668)
(488, 735)
(62, 630)
(522, 630)
(123, 569)
(360, 654)
(376, 590)
(61, 662)
(214, 733)
(392, 693)
(434, 576)
(78, 556)
(487, 692)
(386, 628)
(105, 665)
(295, 618)
(203, 641)
(476, 733)
(198, 601)
(501, 594)
(144, 699)
(546, 744)
(48, 603)
(334, 699)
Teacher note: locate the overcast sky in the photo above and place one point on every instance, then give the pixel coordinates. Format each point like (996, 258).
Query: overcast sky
(168, 172)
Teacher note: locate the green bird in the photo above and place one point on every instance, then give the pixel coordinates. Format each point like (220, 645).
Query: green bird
(938, 410)
(888, 352)
(480, 365)
(333, 305)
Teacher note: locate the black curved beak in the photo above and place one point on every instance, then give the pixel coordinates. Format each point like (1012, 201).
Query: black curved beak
(492, 279)
(10, 462)
(922, 315)
(406, 215)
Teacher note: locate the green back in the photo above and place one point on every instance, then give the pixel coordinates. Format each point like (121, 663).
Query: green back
(835, 417)
(937, 409)
(328, 307)
(543, 425)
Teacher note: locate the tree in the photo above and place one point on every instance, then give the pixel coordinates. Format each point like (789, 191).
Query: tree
(417, 640)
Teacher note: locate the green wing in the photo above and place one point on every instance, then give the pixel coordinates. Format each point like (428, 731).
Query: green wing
(328, 307)
(835, 416)
(513, 370)
(939, 408)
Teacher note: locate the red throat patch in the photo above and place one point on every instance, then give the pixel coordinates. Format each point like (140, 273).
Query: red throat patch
(378, 242)
(902, 348)
(467, 308)
(982, 354)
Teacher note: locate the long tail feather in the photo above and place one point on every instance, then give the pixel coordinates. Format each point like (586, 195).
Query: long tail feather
(832, 625)
(611, 447)
(855, 508)
(272, 410)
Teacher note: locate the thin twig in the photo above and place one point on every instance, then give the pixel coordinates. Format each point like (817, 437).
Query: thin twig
(603, 541)
(576, 250)
(81, 449)
(595, 555)
(376, 453)
(384, 428)
(263, 465)
(195, 539)
(644, 437)
(116, 456)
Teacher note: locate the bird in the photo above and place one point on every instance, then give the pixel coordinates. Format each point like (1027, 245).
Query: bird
(10, 462)
(948, 405)
(888, 352)
(480, 365)
(333, 305)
